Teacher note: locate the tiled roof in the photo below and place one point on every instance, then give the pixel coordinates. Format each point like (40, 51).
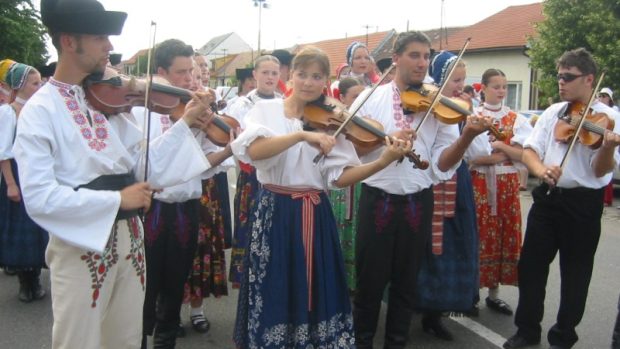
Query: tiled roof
(508, 28)
(213, 43)
(336, 48)
(228, 68)
(134, 58)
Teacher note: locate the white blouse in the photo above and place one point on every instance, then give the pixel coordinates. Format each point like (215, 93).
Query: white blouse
(240, 106)
(432, 139)
(8, 123)
(293, 167)
(58, 150)
(578, 166)
(481, 145)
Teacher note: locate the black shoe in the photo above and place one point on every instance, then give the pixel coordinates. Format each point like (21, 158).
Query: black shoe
(499, 306)
(25, 286)
(473, 312)
(557, 347)
(200, 323)
(181, 333)
(432, 323)
(37, 290)
(517, 341)
(10, 271)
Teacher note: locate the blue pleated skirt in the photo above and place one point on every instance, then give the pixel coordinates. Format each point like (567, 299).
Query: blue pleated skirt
(273, 309)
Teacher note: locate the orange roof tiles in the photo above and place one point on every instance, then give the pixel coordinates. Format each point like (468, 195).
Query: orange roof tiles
(507, 28)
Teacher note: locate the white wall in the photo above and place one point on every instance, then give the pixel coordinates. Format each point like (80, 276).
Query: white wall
(513, 63)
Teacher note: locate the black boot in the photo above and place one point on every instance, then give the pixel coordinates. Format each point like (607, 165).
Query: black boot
(25, 293)
(37, 290)
(397, 327)
(431, 323)
(165, 339)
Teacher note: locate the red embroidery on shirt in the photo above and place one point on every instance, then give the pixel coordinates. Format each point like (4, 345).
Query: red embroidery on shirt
(99, 265)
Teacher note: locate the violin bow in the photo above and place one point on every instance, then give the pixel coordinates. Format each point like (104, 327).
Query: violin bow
(438, 95)
(582, 120)
(147, 111)
(359, 106)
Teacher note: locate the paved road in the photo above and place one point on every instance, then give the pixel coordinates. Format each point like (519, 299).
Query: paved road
(29, 325)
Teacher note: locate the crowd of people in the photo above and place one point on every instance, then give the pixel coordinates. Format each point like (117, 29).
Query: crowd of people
(128, 206)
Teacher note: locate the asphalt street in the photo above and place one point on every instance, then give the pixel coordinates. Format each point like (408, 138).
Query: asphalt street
(29, 326)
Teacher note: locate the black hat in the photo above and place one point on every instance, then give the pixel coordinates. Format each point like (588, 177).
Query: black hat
(81, 17)
(283, 56)
(243, 73)
(47, 70)
(115, 58)
(384, 63)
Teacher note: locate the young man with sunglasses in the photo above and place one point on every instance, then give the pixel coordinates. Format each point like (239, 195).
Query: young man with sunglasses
(567, 209)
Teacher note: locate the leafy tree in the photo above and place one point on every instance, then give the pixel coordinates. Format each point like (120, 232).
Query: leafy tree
(22, 35)
(569, 24)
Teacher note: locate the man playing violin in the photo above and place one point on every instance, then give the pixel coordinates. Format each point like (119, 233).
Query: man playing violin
(396, 203)
(77, 178)
(171, 229)
(567, 209)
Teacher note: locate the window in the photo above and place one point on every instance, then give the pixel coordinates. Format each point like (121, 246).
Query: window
(513, 97)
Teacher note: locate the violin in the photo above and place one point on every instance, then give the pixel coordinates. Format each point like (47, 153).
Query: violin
(365, 133)
(448, 110)
(120, 93)
(592, 131)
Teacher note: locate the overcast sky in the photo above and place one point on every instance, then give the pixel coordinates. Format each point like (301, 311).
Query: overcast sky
(287, 22)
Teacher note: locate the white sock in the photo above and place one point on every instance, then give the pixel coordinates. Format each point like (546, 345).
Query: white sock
(195, 311)
(494, 293)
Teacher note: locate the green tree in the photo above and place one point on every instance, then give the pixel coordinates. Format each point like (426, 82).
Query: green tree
(568, 24)
(22, 35)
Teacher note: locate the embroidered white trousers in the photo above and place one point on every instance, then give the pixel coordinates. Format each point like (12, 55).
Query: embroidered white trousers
(97, 298)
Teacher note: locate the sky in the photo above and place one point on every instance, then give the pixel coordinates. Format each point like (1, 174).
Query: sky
(285, 23)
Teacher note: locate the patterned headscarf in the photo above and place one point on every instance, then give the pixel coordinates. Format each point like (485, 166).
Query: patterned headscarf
(17, 75)
(5, 65)
(351, 49)
(439, 66)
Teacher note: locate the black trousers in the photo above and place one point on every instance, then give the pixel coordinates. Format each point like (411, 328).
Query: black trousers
(568, 221)
(392, 234)
(171, 235)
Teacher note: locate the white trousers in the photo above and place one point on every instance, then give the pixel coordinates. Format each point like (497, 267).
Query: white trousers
(97, 299)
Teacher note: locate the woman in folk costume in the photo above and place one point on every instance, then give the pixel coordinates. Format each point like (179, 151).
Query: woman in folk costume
(266, 74)
(345, 202)
(358, 65)
(22, 241)
(448, 276)
(293, 292)
(496, 190)
(207, 275)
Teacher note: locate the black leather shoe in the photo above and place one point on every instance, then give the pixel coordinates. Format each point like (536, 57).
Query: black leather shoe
(557, 347)
(517, 341)
(200, 323)
(181, 331)
(432, 324)
(499, 306)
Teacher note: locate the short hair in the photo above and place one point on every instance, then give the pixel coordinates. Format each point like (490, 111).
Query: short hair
(56, 39)
(309, 55)
(579, 58)
(489, 73)
(266, 58)
(168, 50)
(345, 84)
(469, 89)
(406, 38)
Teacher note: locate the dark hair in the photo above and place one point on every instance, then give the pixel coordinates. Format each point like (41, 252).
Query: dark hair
(489, 73)
(56, 39)
(469, 89)
(579, 58)
(168, 50)
(406, 38)
(345, 84)
(309, 55)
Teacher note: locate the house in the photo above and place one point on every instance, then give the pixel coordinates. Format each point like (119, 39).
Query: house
(223, 45)
(500, 41)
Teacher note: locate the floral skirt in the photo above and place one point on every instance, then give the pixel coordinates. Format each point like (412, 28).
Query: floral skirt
(345, 203)
(274, 308)
(208, 274)
(500, 234)
(245, 198)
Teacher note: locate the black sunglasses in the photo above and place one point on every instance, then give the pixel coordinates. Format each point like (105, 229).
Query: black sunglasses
(568, 77)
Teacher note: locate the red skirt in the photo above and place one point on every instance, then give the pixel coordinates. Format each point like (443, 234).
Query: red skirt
(500, 234)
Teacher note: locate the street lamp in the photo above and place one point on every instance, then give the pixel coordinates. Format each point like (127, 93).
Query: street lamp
(260, 4)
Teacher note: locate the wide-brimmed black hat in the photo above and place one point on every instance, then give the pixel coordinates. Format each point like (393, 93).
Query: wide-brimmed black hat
(47, 70)
(81, 17)
(243, 73)
(115, 58)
